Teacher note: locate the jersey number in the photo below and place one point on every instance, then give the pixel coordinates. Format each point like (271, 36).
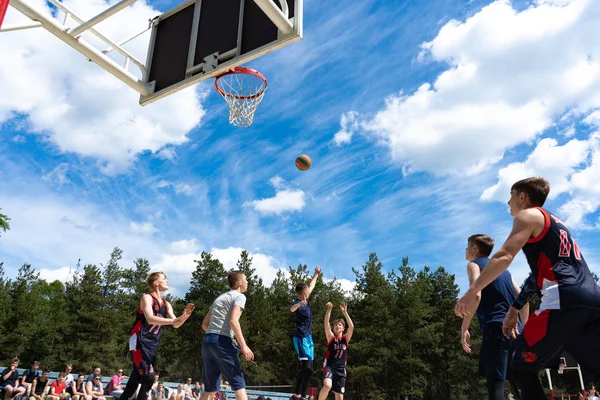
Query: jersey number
(565, 246)
(338, 353)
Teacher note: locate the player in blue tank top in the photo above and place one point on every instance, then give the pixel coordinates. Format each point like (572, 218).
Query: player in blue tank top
(568, 317)
(493, 304)
(303, 342)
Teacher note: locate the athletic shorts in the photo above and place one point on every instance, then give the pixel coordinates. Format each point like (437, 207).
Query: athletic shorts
(493, 358)
(338, 379)
(221, 356)
(547, 334)
(305, 348)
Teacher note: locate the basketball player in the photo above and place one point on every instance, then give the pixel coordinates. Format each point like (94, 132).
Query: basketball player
(144, 337)
(568, 317)
(220, 355)
(334, 367)
(303, 341)
(494, 301)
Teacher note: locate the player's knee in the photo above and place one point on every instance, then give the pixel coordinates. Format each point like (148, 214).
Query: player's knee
(327, 384)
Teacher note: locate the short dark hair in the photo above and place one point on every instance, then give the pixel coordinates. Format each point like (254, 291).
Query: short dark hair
(537, 188)
(46, 370)
(342, 320)
(15, 360)
(233, 277)
(484, 243)
(300, 287)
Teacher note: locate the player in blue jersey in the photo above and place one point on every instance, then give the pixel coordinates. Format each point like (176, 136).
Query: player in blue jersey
(144, 337)
(334, 366)
(303, 342)
(493, 304)
(568, 317)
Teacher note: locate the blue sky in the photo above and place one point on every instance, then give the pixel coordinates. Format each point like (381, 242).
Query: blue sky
(417, 118)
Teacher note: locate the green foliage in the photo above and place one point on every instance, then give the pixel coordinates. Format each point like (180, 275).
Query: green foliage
(406, 342)
(4, 225)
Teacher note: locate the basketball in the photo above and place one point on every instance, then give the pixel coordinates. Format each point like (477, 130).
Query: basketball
(303, 162)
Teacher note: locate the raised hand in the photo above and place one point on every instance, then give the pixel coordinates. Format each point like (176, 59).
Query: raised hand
(343, 307)
(189, 309)
(329, 305)
(317, 270)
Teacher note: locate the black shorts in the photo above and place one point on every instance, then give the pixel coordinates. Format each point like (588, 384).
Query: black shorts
(493, 358)
(547, 334)
(338, 379)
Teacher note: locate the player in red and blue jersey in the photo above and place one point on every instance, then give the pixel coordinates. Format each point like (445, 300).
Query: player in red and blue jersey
(144, 337)
(334, 366)
(568, 317)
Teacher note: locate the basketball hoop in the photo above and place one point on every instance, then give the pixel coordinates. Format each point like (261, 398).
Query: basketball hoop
(243, 89)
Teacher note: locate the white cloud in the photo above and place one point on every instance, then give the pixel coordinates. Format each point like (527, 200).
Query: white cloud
(63, 274)
(266, 266)
(58, 175)
(19, 139)
(77, 105)
(572, 168)
(168, 153)
(285, 200)
(510, 74)
(178, 187)
(142, 227)
(349, 125)
(185, 246)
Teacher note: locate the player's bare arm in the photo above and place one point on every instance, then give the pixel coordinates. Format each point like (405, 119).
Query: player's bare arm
(183, 317)
(313, 282)
(525, 225)
(465, 336)
(234, 323)
(327, 325)
(206, 321)
(146, 307)
(350, 331)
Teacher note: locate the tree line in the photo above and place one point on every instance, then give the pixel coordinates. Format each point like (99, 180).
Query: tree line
(405, 345)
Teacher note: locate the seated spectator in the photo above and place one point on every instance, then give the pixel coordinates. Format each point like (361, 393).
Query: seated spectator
(197, 390)
(95, 389)
(160, 393)
(67, 373)
(187, 388)
(593, 395)
(78, 389)
(180, 394)
(9, 381)
(114, 386)
(91, 376)
(57, 388)
(154, 385)
(39, 386)
(29, 375)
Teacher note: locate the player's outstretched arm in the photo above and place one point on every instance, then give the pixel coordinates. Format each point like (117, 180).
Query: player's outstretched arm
(465, 336)
(328, 332)
(183, 317)
(146, 307)
(350, 331)
(313, 282)
(523, 227)
(234, 323)
(297, 305)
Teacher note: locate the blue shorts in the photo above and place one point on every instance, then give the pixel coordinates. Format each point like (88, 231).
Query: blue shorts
(305, 348)
(493, 358)
(221, 356)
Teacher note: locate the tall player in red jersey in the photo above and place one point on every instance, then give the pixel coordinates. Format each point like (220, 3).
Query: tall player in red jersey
(153, 313)
(334, 367)
(568, 317)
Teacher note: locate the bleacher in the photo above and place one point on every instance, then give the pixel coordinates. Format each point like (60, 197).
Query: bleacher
(172, 386)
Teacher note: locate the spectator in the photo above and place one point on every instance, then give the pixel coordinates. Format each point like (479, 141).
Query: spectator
(154, 385)
(197, 390)
(39, 386)
(78, 389)
(57, 388)
(160, 392)
(67, 374)
(180, 394)
(114, 386)
(94, 388)
(187, 387)
(29, 375)
(9, 381)
(91, 376)
(593, 395)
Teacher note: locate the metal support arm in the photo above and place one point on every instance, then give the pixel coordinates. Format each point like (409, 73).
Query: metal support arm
(101, 17)
(83, 47)
(276, 15)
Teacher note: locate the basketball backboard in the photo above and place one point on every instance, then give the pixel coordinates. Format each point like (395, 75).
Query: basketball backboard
(200, 39)
(196, 40)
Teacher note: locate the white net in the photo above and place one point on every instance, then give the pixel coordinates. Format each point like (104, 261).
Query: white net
(243, 92)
